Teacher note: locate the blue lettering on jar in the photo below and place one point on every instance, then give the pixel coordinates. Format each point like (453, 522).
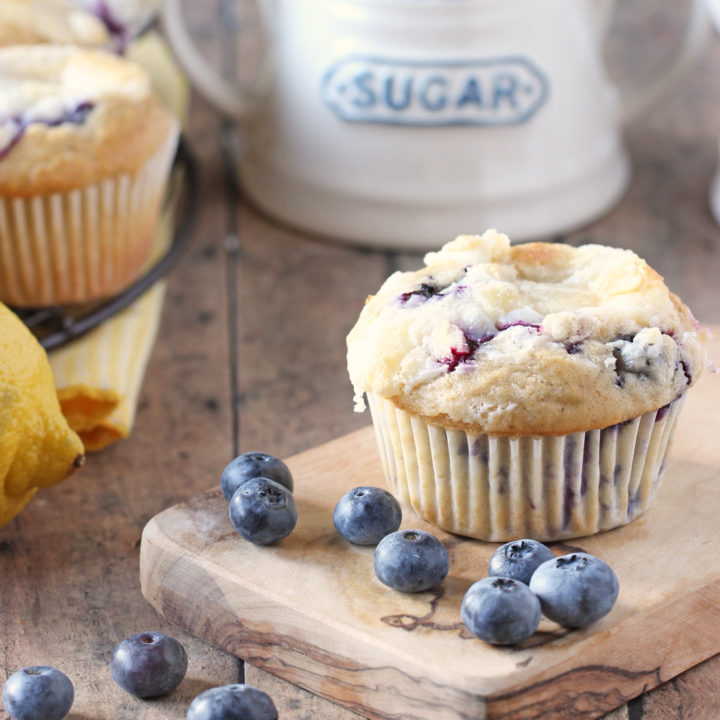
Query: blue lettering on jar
(364, 97)
(504, 89)
(471, 93)
(433, 95)
(397, 98)
(490, 91)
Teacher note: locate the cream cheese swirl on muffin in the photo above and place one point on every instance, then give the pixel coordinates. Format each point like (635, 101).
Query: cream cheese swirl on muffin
(543, 339)
(71, 116)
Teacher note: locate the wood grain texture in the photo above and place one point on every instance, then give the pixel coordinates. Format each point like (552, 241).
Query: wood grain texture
(69, 562)
(311, 611)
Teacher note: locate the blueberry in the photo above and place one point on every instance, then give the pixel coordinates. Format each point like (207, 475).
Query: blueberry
(366, 515)
(250, 465)
(232, 702)
(263, 511)
(38, 692)
(462, 354)
(74, 116)
(79, 113)
(423, 293)
(576, 589)
(500, 611)
(148, 664)
(519, 559)
(411, 561)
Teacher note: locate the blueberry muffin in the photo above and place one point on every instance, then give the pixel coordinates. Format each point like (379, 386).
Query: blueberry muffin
(112, 24)
(525, 391)
(131, 27)
(124, 27)
(85, 150)
(125, 20)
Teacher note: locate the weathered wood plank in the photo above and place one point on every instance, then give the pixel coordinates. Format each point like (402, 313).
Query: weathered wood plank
(298, 299)
(694, 694)
(294, 702)
(69, 562)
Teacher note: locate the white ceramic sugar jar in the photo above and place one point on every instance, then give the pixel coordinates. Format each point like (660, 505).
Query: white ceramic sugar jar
(405, 122)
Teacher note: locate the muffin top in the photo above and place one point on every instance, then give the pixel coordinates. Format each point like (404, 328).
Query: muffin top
(71, 116)
(533, 339)
(98, 23)
(123, 18)
(54, 21)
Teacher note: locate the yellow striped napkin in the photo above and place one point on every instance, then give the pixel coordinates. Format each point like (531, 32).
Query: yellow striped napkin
(98, 377)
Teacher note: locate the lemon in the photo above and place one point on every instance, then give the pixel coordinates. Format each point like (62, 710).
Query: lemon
(37, 446)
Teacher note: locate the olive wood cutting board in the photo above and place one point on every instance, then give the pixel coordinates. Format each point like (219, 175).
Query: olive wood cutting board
(311, 611)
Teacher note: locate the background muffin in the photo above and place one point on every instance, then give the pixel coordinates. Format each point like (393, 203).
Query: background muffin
(110, 23)
(527, 390)
(119, 26)
(124, 19)
(85, 149)
(49, 21)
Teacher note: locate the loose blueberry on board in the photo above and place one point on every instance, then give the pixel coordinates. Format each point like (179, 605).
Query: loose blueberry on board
(575, 590)
(38, 692)
(148, 664)
(250, 465)
(411, 561)
(263, 511)
(365, 515)
(232, 702)
(500, 611)
(519, 559)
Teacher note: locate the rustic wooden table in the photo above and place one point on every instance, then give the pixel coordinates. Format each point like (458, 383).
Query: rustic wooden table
(251, 355)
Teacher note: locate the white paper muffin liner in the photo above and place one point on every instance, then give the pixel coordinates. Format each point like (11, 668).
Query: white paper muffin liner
(504, 488)
(82, 244)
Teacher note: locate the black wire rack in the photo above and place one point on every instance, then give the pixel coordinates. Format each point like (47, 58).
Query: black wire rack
(56, 325)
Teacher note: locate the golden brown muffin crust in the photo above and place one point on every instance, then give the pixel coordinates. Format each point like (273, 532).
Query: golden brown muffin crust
(535, 339)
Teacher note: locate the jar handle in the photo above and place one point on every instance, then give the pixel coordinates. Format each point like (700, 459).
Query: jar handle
(635, 99)
(215, 89)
